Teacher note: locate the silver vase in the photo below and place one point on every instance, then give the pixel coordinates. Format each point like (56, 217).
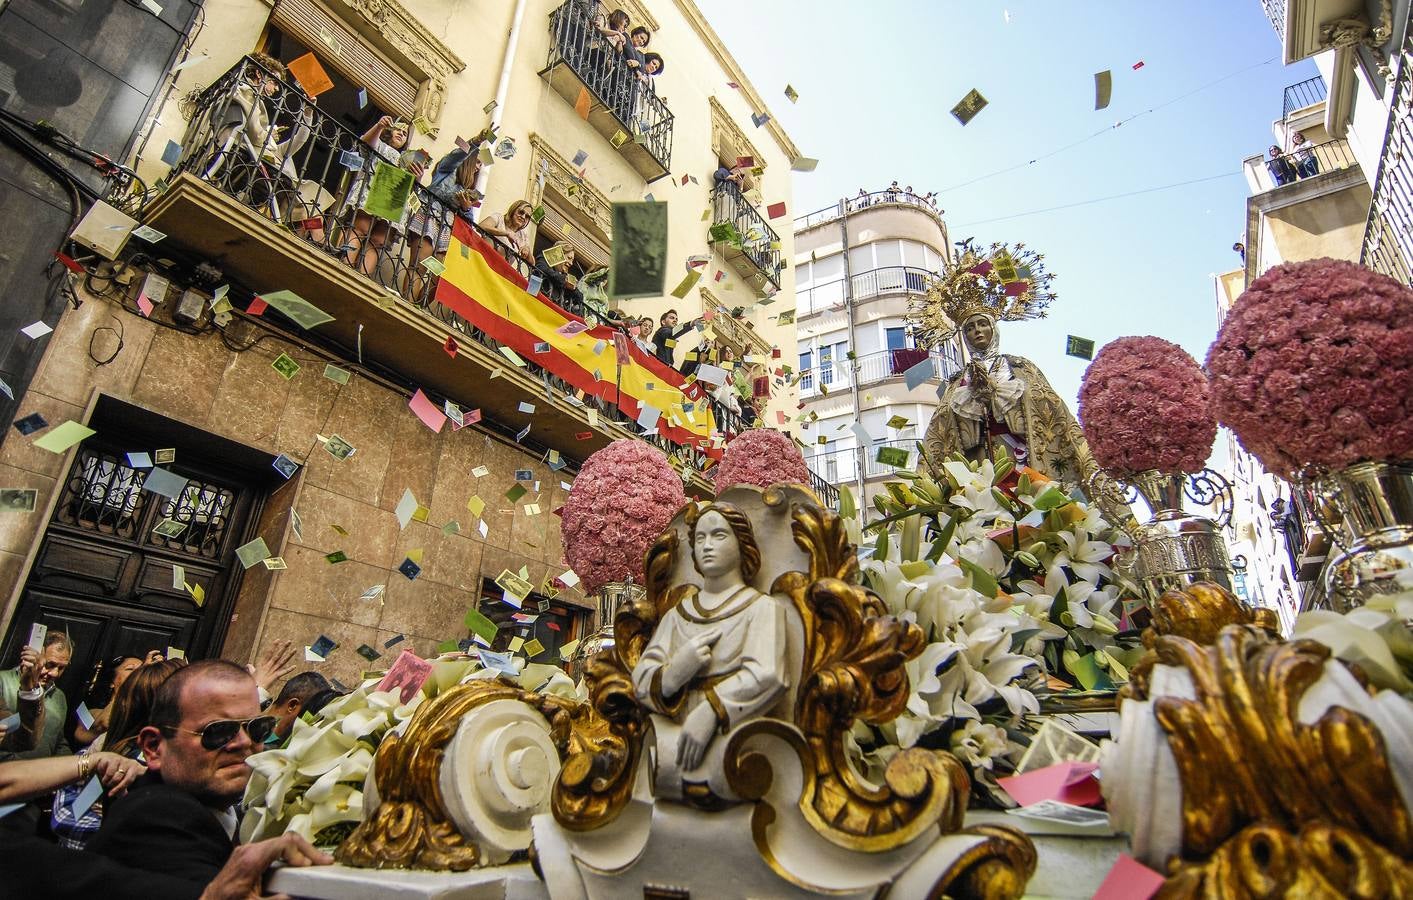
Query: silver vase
(1176, 549)
(612, 596)
(1375, 538)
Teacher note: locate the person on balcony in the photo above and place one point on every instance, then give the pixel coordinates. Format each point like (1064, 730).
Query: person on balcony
(512, 230)
(560, 275)
(665, 339)
(1282, 172)
(370, 235)
(246, 127)
(429, 231)
(734, 174)
(1306, 164)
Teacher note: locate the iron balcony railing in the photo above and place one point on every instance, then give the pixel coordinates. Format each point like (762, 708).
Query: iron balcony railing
(864, 201)
(626, 91)
(307, 171)
(1388, 233)
(758, 240)
(1264, 174)
(1303, 94)
(879, 282)
(872, 368)
(842, 466)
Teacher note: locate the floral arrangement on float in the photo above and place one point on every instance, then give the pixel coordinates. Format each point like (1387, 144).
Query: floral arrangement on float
(1146, 410)
(1013, 582)
(762, 457)
(314, 785)
(1312, 369)
(623, 498)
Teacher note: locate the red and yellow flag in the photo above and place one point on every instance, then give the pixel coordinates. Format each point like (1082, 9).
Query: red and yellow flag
(487, 291)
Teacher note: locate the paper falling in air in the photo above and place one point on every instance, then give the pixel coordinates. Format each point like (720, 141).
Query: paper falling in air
(63, 437)
(405, 508)
(427, 411)
(1103, 87)
(35, 330)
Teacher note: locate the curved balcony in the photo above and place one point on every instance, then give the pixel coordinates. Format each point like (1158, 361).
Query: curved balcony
(874, 368)
(851, 205)
(842, 466)
(881, 282)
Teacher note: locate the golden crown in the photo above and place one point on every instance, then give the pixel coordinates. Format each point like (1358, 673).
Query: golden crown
(1005, 283)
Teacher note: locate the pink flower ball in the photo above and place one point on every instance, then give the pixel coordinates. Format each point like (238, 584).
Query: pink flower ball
(1145, 404)
(623, 498)
(762, 457)
(1313, 367)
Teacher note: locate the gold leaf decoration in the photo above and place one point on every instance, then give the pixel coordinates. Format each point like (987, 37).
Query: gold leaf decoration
(1271, 806)
(411, 828)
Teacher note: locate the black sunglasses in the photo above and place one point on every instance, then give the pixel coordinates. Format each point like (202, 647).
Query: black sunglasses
(221, 732)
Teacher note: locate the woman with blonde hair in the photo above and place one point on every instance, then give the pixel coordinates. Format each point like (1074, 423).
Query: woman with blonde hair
(513, 229)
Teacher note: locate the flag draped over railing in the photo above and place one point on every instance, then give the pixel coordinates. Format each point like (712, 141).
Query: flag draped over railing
(487, 291)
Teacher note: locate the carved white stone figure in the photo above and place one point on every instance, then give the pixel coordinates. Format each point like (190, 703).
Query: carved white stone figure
(716, 660)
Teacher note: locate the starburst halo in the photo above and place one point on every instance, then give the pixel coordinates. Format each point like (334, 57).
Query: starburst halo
(1006, 282)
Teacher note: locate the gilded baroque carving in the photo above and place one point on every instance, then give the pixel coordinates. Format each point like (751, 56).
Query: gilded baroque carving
(852, 667)
(1271, 806)
(557, 171)
(1199, 612)
(413, 826)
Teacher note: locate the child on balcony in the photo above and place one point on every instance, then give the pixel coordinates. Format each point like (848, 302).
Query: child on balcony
(370, 234)
(429, 230)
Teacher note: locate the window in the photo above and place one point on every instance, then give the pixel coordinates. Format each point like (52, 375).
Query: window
(897, 338)
(826, 364)
(553, 626)
(807, 371)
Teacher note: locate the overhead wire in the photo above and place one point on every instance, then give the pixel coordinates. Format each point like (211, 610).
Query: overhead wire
(1107, 129)
(1151, 190)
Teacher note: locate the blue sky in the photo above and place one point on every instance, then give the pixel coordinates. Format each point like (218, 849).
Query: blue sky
(877, 82)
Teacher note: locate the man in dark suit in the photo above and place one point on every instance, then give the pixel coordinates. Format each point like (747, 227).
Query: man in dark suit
(35, 867)
(180, 818)
(665, 340)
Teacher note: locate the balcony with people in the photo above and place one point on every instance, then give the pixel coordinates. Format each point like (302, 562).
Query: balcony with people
(600, 63)
(271, 194)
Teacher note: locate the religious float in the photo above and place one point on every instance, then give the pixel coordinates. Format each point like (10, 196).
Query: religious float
(998, 683)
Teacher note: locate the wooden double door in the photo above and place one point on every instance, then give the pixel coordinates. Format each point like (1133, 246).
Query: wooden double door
(107, 574)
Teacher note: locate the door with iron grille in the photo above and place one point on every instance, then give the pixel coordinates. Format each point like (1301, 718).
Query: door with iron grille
(125, 570)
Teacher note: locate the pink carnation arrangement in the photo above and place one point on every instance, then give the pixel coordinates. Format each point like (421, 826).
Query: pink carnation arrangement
(622, 500)
(762, 457)
(1145, 404)
(1314, 367)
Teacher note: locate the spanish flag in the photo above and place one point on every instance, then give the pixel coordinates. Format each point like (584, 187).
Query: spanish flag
(483, 288)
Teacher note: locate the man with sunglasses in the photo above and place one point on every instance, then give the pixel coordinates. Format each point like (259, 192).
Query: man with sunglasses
(180, 817)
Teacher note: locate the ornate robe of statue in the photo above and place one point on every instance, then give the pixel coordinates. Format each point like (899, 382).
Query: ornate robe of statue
(1007, 400)
(1039, 429)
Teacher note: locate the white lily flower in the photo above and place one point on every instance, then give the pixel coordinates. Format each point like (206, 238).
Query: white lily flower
(1086, 557)
(979, 744)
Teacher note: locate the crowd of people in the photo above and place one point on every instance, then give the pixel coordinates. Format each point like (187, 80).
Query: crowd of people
(1300, 161)
(894, 194)
(407, 253)
(167, 744)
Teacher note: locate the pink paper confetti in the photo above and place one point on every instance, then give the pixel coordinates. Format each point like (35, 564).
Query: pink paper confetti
(427, 411)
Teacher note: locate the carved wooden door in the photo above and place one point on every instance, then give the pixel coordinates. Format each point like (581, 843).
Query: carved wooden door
(104, 575)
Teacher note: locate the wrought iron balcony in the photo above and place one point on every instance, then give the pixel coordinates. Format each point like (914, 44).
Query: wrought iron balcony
(842, 466)
(1263, 174)
(1303, 94)
(1388, 234)
(623, 104)
(266, 189)
(754, 249)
